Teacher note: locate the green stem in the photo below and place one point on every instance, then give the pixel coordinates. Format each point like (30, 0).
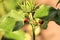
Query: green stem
(33, 31)
(31, 22)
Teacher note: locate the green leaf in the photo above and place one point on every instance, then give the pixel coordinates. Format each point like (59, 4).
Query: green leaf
(42, 11)
(27, 6)
(57, 17)
(7, 24)
(17, 35)
(17, 15)
(19, 2)
(31, 4)
(18, 25)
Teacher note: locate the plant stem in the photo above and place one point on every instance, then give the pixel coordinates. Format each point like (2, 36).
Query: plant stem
(31, 22)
